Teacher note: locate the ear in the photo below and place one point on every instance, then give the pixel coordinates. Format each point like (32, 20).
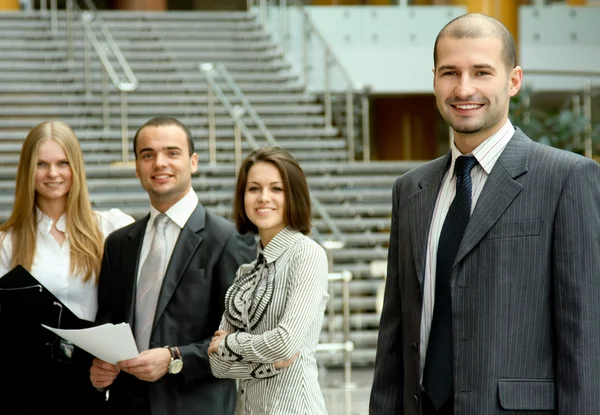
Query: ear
(137, 173)
(194, 163)
(515, 81)
(433, 71)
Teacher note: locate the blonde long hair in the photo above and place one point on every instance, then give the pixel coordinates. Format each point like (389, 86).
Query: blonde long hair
(86, 239)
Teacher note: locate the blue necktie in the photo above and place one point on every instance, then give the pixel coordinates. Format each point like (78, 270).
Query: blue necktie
(438, 371)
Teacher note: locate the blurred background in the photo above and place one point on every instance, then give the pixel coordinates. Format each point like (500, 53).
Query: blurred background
(345, 86)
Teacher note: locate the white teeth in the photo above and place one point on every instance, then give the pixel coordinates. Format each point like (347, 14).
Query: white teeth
(53, 184)
(161, 177)
(468, 107)
(264, 210)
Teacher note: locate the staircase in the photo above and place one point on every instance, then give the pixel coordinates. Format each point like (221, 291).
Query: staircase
(164, 50)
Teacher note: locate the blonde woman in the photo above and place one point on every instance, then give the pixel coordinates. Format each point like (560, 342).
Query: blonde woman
(54, 233)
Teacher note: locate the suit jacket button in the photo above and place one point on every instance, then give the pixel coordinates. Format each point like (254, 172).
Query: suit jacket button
(415, 346)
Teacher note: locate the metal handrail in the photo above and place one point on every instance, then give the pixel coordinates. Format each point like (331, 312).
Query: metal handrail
(221, 70)
(209, 71)
(124, 87)
(91, 41)
(114, 47)
(331, 60)
(347, 345)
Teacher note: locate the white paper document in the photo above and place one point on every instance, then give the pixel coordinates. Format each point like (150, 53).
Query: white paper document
(109, 342)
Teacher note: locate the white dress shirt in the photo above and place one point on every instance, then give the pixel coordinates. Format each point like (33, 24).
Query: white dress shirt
(178, 214)
(52, 262)
(487, 153)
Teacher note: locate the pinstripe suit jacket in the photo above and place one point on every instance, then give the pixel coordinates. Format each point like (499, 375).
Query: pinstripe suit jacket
(525, 289)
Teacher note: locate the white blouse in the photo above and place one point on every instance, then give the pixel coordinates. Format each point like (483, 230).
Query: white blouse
(52, 262)
(273, 309)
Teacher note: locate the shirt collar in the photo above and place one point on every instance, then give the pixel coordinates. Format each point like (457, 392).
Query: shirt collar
(280, 243)
(45, 222)
(488, 152)
(180, 212)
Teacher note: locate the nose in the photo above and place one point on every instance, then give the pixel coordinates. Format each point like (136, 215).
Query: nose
(52, 170)
(264, 196)
(160, 160)
(464, 89)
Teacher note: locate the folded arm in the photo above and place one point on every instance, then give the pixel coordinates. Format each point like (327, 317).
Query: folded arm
(307, 279)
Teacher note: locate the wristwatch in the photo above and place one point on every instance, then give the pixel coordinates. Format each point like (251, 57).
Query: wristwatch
(176, 363)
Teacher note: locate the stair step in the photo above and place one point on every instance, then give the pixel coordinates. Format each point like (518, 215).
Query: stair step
(26, 110)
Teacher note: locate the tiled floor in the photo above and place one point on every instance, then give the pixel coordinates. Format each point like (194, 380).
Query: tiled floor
(347, 401)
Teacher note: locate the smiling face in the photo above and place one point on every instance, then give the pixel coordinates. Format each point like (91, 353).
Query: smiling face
(163, 164)
(53, 176)
(264, 200)
(473, 87)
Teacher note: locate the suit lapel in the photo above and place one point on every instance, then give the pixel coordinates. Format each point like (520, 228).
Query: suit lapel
(131, 256)
(499, 191)
(187, 244)
(421, 205)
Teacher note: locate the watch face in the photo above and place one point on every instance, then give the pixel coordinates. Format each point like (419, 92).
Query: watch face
(175, 366)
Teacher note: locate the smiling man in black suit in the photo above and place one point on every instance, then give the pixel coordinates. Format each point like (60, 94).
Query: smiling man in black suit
(166, 275)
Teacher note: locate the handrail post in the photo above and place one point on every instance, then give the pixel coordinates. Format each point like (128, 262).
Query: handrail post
(263, 12)
(69, 26)
(348, 385)
(212, 128)
(44, 7)
(330, 302)
(238, 113)
(281, 23)
(350, 124)
(53, 18)
(87, 65)
(576, 101)
(587, 110)
(366, 127)
(105, 101)
(327, 91)
(305, 42)
(286, 22)
(208, 69)
(124, 128)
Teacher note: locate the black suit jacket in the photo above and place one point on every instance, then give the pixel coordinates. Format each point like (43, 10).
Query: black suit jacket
(203, 264)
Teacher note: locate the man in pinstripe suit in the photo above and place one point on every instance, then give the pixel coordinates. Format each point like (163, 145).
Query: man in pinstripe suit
(524, 285)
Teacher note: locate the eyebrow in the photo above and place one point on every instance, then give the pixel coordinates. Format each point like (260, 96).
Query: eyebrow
(46, 161)
(478, 66)
(269, 183)
(164, 148)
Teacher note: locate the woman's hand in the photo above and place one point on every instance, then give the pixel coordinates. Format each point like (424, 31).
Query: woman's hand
(286, 363)
(216, 341)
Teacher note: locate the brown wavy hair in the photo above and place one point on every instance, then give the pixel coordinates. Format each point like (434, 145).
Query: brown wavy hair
(297, 196)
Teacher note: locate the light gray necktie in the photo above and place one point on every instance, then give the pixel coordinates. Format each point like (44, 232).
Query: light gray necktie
(150, 283)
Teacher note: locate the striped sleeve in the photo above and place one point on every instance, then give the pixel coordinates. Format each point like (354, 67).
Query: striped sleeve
(231, 369)
(307, 285)
(224, 365)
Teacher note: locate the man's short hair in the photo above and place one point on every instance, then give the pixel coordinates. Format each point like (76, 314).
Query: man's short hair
(477, 26)
(165, 122)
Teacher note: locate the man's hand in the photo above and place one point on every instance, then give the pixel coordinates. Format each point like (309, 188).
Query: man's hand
(149, 366)
(216, 341)
(286, 363)
(102, 374)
